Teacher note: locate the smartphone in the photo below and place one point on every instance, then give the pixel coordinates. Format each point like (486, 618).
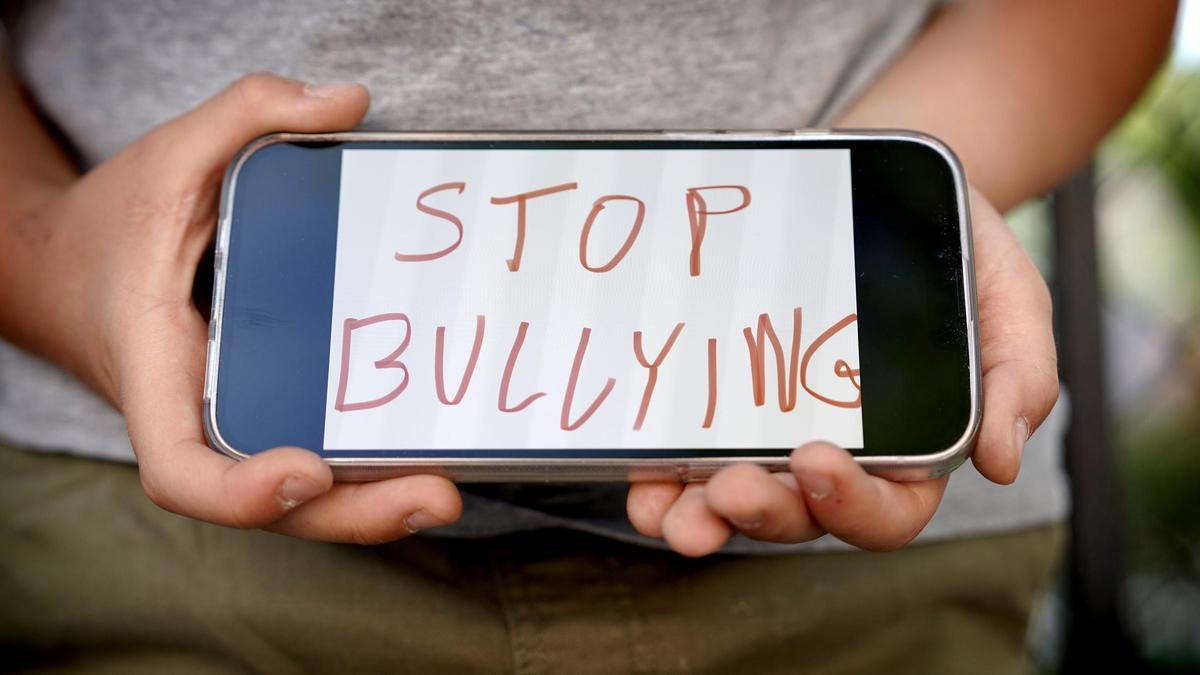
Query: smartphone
(594, 306)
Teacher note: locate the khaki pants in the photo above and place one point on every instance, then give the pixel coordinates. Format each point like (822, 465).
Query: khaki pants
(94, 578)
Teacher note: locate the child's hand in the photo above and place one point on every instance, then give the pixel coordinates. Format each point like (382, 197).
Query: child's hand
(119, 251)
(827, 491)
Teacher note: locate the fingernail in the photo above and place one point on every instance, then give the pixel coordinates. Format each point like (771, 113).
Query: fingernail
(421, 520)
(327, 90)
(1020, 435)
(296, 490)
(816, 485)
(747, 524)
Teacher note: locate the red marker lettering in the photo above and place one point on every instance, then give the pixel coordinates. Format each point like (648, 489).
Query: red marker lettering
(514, 263)
(785, 384)
(652, 376)
(565, 418)
(437, 213)
(597, 207)
(840, 367)
(390, 361)
(439, 358)
(506, 379)
(698, 214)
(712, 384)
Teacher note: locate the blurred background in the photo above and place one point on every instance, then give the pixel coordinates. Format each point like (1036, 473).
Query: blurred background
(1147, 227)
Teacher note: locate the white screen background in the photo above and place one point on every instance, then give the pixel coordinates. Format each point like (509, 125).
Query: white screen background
(791, 247)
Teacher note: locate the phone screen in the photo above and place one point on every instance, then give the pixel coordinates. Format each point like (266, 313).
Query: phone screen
(609, 297)
(556, 299)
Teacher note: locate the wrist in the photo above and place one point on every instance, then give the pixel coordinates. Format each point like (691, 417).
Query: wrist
(41, 285)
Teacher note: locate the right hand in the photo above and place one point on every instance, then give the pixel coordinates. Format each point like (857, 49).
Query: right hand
(825, 490)
(117, 253)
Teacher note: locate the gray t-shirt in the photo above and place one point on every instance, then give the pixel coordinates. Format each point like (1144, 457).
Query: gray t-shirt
(107, 72)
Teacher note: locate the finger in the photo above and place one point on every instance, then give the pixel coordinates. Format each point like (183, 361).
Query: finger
(858, 508)
(1016, 340)
(375, 513)
(259, 104)
(161, 401)
(159, 351)
(691, 528)
(761, 505)
(647, 503)
(196, 482)
(160, 396)
(1018, 395)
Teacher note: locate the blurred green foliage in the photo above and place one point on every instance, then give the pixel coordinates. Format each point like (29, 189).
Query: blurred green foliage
(1158, 431)
(1164, 131)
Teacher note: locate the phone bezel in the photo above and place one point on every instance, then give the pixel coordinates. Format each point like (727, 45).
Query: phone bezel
(897, 467)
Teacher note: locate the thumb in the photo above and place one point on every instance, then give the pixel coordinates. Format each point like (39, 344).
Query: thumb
(258, 104)
(1016, 344)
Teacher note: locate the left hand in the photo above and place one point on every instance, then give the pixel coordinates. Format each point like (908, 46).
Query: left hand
(826, 491)
(116, 254)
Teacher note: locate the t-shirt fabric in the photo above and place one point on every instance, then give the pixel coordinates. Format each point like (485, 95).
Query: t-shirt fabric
(105, 73)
